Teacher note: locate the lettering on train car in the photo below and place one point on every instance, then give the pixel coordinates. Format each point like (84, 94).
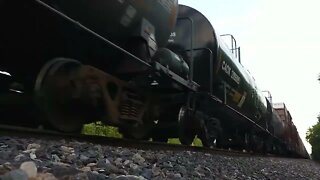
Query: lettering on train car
(230, 72)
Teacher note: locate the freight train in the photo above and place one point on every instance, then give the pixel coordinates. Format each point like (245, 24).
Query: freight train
(153, 68)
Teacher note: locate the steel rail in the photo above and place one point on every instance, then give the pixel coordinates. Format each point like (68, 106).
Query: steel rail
(18, 131)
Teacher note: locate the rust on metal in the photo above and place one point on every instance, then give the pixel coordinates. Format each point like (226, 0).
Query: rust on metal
(120, 102)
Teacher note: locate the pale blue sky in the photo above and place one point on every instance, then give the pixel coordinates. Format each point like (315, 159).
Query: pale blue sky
(280, 45)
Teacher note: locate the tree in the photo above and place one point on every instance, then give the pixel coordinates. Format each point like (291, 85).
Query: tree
(313, 137)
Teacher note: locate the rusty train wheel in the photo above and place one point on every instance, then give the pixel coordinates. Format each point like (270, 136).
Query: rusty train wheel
(53, 90)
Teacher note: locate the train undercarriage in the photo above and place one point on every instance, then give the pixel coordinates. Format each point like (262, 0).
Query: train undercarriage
(68, 94)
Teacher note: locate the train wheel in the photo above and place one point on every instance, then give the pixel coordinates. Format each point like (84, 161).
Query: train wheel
(53, 90)
(186, 128)
(210, 132)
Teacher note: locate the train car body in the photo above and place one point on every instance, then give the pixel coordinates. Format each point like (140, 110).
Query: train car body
(218, 71)
(290, 133)
(38, 31)
(223, 75)
(155, 69)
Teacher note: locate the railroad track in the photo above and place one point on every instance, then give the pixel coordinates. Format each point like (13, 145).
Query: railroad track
(18, 131)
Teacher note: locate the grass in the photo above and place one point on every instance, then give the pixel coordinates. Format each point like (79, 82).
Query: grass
(100, 129)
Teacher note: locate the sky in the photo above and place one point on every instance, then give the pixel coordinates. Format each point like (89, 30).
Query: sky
(280, 46)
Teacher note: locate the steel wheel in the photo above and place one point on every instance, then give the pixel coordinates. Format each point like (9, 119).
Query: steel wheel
(53, 92)
(211, 131)
(186, 129)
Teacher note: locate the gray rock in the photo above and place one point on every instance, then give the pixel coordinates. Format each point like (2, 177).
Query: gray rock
(92, 165)
(177, 176)
(127, 163)
(55, 149)
(151, 158)
(3, 169)
(137, 158)
(82, 176)
(55, 158)
(42, 153)
(5, 155)
(91, 153)
(33, 155)
(20, 147)
(94, 176)
(71, 158)
(90, 160)
(135, 169)
(86, 169)
(111, 169)
(33, 146)
(67, 150)
(98, 150)
(182, 170)
(167, 165)
(45, 176)
(30, 168)
(53, 164)
(172, 175)
(61, 171)
(8, 166)
(130, 177)
(83, 157)
(147, 173)
(125, 152)
(21, 157)
(155, 171)
(118, 162)
(17, 174)
(3, 145)
(95, 172)
(102, 163)
(107, 161)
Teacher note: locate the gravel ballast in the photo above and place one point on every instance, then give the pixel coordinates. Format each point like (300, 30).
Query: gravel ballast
(43, 159)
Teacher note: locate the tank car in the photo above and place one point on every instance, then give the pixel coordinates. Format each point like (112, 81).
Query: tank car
(82, 61)
(122, 63)
(229, 110)
(238, 105)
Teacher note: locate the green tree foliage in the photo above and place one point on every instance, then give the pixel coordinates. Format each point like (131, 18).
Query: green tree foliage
(313, 137)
